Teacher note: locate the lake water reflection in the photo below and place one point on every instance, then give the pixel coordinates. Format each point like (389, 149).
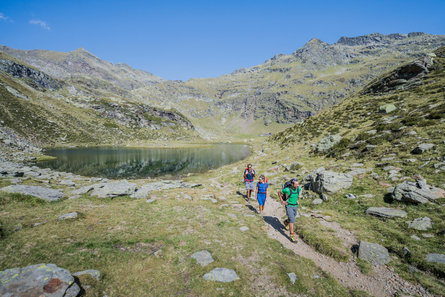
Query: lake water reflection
(121, 162)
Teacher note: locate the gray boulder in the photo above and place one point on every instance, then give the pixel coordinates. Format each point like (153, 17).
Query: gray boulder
(327, 142)
(435, 258)
(421, 224)
(293, 166)
(373, 253)
(329, 181)
(387, 108)
(91, 272)
(292, 277)
(317, 201)
(203, 258)
(422, 148)
(38, 280)
(113, 189)
(224, 275)
(68, 216)
(46, 194)
(82, 190)
(417, 192)
(385, 212)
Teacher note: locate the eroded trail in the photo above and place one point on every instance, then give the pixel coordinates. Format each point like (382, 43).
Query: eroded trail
(383, 282)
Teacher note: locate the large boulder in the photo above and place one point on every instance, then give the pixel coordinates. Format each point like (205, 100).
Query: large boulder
(435, 258)
(387, 108)
(38, 280)
(43, 193)
(373, 253)
(386, 212)
(417, 192)
(421, 148)
(114, 189)
(329, 181)
(327, 142)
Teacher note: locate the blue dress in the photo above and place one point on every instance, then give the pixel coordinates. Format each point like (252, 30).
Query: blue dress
(261, 196)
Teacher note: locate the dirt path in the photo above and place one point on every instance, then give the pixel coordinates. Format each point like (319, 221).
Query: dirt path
(383, 282)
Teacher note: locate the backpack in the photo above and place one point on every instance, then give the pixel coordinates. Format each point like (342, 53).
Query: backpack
(288, 184)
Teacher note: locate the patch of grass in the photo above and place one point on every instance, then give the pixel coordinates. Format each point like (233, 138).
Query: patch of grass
(322, 239)
(365, 267)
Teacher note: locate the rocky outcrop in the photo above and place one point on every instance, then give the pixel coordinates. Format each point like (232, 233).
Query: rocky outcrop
(35, 78)
(322, 181)
(417, 192)
(223, 275)
(113, 189)
(320, 53)
(402, 77)
(38, 280)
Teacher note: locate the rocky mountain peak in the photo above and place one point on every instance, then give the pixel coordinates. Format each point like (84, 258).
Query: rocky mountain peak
(318, 52)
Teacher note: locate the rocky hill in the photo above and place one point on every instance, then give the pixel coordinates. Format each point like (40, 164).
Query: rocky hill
(49, 111)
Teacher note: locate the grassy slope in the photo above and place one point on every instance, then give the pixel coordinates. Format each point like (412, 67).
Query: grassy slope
(420, 109)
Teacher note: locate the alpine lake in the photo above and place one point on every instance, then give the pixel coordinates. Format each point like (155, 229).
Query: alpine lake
(134, 163)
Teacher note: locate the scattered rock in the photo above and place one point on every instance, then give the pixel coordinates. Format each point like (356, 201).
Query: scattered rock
(293, 166)
(328, 142)
(387, 108)
(224, 275)
(415, 237)
(406, 252)
(324, 197)
(421, 224)
(385, 212)
(46, 194)
(38, 280)
(317, 201)
(114, 189)
(244, 229)
(150, 200)
(373, 253)
(350, 196)
(91, 272)
(417, 192)
(209, 199)
(292, 277)
(143, 191)
(435, 258)
(203, 257)
(422, 148)
(68, 216)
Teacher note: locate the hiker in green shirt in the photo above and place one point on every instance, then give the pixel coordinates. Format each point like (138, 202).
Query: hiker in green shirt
(292, 194)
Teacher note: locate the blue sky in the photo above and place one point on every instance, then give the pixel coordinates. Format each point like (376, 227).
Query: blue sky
(187, 39)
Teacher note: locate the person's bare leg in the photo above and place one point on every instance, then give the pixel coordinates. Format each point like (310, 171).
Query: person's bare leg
(291, 228)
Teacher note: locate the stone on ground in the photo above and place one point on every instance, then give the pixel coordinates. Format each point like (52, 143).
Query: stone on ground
(82, 190)
(91, 272)
(224, 275)
(244, 229)
(328, 142)
(421, 148)
(113, 189)
(386, 212)
(68, 216)
(292, 277)
(417, 192)
(387, 108)
(435, 258)
(373, 253)
(203, 258)
(329, 181)
(43, 193)
(421, 224)
(317, 201)
(38, 280)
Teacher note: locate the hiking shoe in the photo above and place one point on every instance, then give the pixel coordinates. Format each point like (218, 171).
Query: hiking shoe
(293, 238)
(286, 224)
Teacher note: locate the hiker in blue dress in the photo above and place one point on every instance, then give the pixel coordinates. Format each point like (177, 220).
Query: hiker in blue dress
(249, 175)
(262, 192)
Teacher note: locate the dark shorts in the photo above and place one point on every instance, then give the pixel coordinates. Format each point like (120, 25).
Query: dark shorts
(291, 213)
(261, 198)
(250, 185)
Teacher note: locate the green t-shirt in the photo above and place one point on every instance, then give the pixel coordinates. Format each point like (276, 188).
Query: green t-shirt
(294, 197)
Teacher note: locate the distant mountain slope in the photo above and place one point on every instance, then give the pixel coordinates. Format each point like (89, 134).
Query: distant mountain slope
(81, 62)
(84, 110)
